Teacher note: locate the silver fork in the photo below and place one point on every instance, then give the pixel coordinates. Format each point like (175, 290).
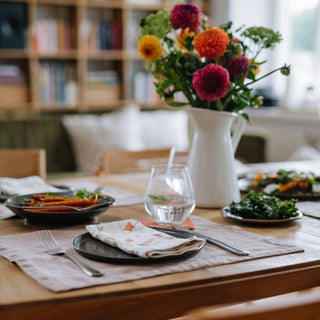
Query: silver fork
(53, 248)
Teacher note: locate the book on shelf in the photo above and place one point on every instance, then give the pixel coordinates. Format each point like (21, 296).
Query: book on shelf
(57, 84)
(100, 36)
(142, 2)
(51, 35)
(102, 86)
(103, 77)
(12, 74)
(13, 86)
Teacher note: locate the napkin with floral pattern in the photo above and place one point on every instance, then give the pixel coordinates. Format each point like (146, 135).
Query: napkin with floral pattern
(133, 237)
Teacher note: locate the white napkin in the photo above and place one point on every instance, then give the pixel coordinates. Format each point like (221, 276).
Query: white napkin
(133, 237)
(26, 185)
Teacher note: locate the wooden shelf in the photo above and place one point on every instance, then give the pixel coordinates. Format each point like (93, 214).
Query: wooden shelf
(71, 57)
(106, 55)
(64, 55)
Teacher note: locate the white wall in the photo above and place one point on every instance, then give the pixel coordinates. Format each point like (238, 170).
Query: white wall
(284, 132)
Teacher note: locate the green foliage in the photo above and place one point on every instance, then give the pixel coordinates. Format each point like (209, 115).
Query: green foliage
(262, 37)
(260, 206)
(83, 193)
(157, 24)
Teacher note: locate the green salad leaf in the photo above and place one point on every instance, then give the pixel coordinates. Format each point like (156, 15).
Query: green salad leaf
(83, 193)
(260, 206)
(159, 197)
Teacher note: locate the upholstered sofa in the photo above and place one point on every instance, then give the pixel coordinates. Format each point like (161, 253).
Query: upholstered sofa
(67, 138)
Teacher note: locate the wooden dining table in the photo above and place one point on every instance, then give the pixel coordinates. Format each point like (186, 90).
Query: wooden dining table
(171, 295)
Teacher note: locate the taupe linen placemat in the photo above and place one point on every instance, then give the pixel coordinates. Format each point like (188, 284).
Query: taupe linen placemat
(58, 273)
(310, 208)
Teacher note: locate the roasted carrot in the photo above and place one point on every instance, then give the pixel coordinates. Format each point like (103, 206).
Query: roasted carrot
(304, 184)
(283, 187)
(47, 198)
(60, 209)
(70, 202)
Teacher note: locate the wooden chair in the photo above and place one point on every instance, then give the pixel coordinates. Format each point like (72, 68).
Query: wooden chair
(294, 306)
(122, 161)
(20, 163)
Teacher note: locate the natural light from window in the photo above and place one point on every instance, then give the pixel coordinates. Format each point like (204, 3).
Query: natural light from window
(299, 23)
(301, 31)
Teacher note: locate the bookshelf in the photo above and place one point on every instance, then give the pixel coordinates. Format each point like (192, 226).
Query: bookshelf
(74, 55)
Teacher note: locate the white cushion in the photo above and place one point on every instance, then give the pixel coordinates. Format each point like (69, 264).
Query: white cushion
(91, 135)
(128, 129)
(163, 128)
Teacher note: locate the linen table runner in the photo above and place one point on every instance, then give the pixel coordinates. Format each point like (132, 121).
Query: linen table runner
(58, 273)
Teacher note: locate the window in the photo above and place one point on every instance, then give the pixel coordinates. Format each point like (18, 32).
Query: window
(299, 23)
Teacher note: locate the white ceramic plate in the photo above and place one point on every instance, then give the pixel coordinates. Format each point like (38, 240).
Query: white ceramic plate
(234, 217)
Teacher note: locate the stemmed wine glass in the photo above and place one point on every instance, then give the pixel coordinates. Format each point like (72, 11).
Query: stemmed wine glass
(169, 196)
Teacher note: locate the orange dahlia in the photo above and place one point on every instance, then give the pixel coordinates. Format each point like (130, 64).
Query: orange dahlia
(150, 47)
(211, 42)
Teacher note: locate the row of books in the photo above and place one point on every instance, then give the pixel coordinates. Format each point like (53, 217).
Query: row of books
(52, 35)
(144, 91)
(103, 77)
(98, 36)
(57, 84)
(11, 74)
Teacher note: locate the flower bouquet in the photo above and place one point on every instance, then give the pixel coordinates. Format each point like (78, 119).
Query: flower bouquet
(213, 67)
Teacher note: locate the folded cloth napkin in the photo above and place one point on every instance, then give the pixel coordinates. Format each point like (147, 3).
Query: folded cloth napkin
(133, 237)
(14, 186)
(32, 184)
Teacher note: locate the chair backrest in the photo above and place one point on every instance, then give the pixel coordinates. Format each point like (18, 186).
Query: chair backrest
(122, 161)
(293, 306)
(20, 163)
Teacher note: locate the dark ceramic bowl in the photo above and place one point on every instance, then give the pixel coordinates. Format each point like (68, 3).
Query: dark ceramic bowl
(15, 204)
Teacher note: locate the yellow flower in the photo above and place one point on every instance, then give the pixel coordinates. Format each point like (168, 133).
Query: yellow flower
(182, 37)
(257, 101)
(254, 66)
(150, 47)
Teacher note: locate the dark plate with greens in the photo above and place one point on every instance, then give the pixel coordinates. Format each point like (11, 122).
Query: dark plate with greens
(259, 208)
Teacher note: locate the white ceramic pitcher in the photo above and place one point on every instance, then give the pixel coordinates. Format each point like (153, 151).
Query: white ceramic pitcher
(211, 161)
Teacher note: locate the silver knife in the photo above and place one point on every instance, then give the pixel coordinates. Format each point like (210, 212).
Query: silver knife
(234, 250)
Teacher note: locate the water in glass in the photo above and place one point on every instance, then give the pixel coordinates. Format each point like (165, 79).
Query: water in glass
(169, 196)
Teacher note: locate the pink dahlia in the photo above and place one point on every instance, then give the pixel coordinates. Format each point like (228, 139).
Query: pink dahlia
(238, 67)
(186, 15)
(211, 82)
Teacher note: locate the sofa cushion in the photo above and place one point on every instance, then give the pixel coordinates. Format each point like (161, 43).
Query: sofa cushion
(91, 135)
(127, 129)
